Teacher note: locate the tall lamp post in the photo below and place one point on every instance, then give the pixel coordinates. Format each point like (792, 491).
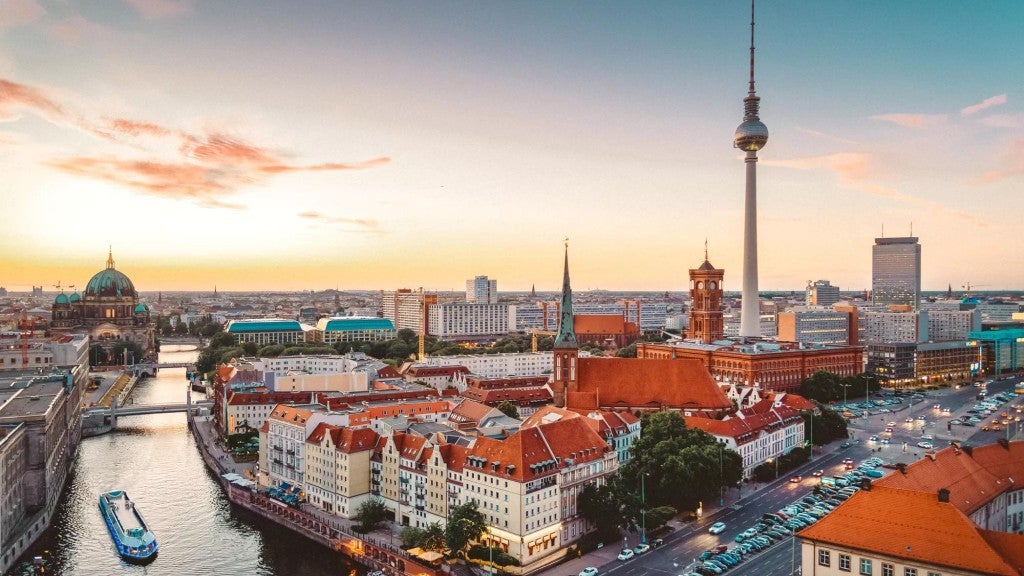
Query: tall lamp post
(867, 380)
(721, 478)
(643, 510)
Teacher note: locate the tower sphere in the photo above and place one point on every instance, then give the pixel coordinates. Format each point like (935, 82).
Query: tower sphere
(751, 136)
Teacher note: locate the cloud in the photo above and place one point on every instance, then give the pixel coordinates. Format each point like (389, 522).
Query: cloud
(996, 100)
(1013, 164)
(1003, 120)
(19, 13)
(855, 173)
(916, 121)
(73, 30)
(368, 225)
(827, 136)
(157, 9)
(202, 167)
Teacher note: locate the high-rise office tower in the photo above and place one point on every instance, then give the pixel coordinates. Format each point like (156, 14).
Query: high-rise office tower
(822, 293)
(896, 271)
(750, 137)
(481, 290)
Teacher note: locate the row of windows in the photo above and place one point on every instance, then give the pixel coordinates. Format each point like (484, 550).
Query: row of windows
(866, 565)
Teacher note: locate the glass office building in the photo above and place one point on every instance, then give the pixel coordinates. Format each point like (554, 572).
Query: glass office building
(896, 272)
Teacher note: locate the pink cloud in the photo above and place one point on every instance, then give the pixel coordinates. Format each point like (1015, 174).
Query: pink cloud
(156, 9)
(19, 13)
(1003, 120)
(916, 121)
(368, 225)
(996, 100)
(77, 28)
(1013, 164)
(207, 167)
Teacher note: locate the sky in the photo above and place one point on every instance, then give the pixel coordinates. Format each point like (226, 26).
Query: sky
(287, 145)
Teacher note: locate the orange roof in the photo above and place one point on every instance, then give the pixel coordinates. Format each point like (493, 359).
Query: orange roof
(970, 485)
(469, 412)
(1005, 460)
(794, 401)
(913, 526)
(290, 414)
(537, 451)
(520, 396)
(603, 324)
(654, 383)
(750, 427)
(454, 456)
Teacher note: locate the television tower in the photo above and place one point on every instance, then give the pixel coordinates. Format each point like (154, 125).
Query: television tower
(750, 137)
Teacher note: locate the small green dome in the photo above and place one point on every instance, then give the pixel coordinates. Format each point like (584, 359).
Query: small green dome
(61, 299)
(141, 309)
(76, 297)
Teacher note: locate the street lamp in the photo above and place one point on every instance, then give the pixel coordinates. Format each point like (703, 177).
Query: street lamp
(721, 478)
(643, 510)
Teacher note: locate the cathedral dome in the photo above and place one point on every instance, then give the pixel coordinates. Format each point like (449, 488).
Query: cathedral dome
(76, 297)
(110, 282)
(141, 309)
(61, 299)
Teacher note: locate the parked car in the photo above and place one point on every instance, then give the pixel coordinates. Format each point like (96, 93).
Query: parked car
(626, 554)
(588, 571)
(641, 549)
(925, 445)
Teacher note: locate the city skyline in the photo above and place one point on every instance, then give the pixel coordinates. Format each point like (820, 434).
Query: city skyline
(365, 146)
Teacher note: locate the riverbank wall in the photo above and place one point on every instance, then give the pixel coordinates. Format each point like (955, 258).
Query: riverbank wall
(357, 547)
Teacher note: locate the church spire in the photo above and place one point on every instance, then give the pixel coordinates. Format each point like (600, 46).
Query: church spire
(566, 337)
(110, 258)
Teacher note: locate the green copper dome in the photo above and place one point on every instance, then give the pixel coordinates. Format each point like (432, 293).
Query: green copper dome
(141, 308)
(76, 297)
(110, 282)
(61, 299)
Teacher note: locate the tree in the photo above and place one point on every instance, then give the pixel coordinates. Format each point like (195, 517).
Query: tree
(370, 514)
(828, 425)
(659, 516)
(682, 465)
(602, 506)
(433, 537)
(466, 523)
(627, 351)
(412, 537)
(509, 409)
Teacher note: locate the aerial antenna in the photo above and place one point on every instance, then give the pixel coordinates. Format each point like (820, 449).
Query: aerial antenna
(911, 227)
(705, 248)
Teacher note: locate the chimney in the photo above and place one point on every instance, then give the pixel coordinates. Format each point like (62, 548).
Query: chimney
(865, 484)
(902, 468)
(968, 449)
(1004, 443)
(943, 495)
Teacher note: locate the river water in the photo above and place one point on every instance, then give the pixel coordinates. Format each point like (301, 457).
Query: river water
(155, 459)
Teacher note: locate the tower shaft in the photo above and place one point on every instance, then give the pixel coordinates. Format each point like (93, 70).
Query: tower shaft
(750, 310)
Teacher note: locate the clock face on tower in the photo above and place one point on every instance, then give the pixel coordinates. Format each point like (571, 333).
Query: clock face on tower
(712, 285)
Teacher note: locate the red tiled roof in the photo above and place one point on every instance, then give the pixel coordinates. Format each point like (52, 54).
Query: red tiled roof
(290, 414)
(655, 383)
(254, 398)
(520, 396)
(516, 382)
(762, 417)
(431, 371)
(539, 450)
(350, 440)
(794, 401)
(585, 324)
(454, 456)
(970, 485)
(469, 411)
(914, 526)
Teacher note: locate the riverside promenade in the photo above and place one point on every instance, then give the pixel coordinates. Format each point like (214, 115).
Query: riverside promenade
(333, 533)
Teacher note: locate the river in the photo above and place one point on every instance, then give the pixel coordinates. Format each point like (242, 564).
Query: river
(155, 459)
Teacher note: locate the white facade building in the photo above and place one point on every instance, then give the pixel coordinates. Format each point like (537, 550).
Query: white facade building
(482, 290)
(465, 321)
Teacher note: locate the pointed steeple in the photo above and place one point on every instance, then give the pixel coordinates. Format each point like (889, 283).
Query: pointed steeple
(566, 337)
(110, 258)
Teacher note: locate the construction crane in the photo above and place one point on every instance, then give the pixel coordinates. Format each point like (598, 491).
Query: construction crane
(423, 328)
(23, 326)
(968, 287)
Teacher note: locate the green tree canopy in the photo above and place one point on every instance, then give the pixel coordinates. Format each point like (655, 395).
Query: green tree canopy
(509, 409)
(370, 514)
(466, 523)
(682, 465)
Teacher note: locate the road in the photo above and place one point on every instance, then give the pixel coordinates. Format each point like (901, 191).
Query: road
(683, 546)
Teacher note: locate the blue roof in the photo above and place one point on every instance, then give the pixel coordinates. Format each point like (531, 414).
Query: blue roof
(354, 323)
(269, 325)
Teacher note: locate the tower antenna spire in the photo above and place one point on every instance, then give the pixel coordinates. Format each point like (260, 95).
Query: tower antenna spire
(705, 249)
(751, 47)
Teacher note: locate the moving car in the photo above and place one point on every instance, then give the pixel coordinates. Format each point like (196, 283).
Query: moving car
(588, 571)
(641, 548)
(626, 554)
(796, 479)
(818, 473)
(925, 445)
(717, 528)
